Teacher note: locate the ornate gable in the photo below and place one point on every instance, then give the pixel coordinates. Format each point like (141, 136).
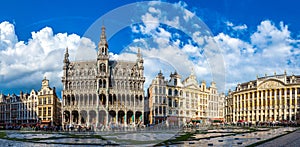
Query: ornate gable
(270, 84)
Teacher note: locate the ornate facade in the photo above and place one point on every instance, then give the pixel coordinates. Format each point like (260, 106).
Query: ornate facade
(49, 106)
(103, 92)
(28, 108)
(266, 99)
(177, 102)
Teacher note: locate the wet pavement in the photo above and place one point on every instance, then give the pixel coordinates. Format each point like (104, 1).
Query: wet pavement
(215, 137)
(289, 140)
(230, 140)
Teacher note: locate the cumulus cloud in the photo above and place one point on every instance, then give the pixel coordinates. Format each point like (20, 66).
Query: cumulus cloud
(42, 55)
(270, 49)
(8, 37)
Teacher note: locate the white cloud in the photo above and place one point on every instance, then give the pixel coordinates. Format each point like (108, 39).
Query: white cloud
(150, 22)
(188, 15)
(236, 27)
(155, 11)
(269, 50)
(8, 37)
(28, 62)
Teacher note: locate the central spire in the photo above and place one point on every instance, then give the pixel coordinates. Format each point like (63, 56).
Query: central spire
(103, 41)
(103, 45)
(66, 60)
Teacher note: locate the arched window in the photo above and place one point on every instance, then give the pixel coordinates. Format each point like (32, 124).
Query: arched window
(102, 67)
(103, 51)
(170, 92)
(180, 93)
(100, 83)
(104, 84)
(176, 92)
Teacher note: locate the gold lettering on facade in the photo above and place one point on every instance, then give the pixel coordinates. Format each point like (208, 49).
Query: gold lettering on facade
(270, 85)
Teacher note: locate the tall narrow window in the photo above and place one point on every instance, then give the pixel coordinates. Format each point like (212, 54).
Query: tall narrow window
(49, 111)
(102, 67)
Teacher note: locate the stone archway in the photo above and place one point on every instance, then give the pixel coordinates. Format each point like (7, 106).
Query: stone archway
(112, 116)
(92, 117)
(102, 117)
(75, 116)
(138, 117)
(129, 117)
(66, 116)
(83, 117)
(121, 117)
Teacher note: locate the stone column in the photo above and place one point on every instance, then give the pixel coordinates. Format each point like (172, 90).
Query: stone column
(266, 116)
(71, 118)
(133, 118)
(88, 118)
(257, 106)
(280, 104)
(253, 106)
(79, 117)
(106, 118)
(97, 101)
(249, 107)
(238, 108)
(97, 118)
(275, 105)
(117, 120)
(235, 107)
(262, 107)
(296, 105)
(285, 104)
(245, 109)
(271, 107)
(290, 104)
(125, 118)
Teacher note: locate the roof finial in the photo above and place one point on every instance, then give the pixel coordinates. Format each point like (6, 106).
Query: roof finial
(139, 54)
(66, 60)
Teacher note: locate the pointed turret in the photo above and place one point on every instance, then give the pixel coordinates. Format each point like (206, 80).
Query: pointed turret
(103, 45)
(140, 60)
(66, 59)
(139, 55)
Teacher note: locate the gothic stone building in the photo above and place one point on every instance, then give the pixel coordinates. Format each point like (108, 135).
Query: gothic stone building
(103, 92)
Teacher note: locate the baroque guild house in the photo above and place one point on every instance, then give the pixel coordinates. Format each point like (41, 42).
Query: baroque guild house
(176, 102)
(266, 99)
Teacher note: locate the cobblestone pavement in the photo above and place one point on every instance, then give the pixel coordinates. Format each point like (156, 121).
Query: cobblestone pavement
(289, 140)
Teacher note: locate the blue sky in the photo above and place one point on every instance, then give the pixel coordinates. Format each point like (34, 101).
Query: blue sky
(255, 37)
